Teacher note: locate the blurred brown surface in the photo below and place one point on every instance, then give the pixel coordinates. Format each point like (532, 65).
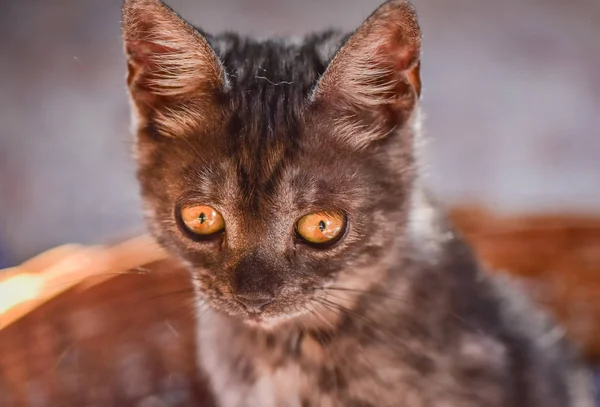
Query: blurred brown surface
(556, 256)
(49, 274)
(126, 342)
(129, 341)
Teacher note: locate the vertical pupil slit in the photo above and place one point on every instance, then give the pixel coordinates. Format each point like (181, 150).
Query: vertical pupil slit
(322, 226)
(202, 218)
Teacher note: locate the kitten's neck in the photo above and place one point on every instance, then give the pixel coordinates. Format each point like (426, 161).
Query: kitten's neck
(428, 227)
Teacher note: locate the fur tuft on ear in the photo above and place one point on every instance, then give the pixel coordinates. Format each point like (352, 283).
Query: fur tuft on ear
(373, 81)
(168, 60)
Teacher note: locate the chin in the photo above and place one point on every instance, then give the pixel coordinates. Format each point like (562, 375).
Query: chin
(258, 322)
(271, 322)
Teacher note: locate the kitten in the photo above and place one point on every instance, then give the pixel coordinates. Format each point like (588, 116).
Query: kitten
(285, 175)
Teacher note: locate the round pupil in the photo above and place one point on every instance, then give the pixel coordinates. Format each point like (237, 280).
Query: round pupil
(322, 226)
(202, 218)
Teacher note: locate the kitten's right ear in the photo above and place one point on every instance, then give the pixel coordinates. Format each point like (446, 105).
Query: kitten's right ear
(169, 62)
(373, 81)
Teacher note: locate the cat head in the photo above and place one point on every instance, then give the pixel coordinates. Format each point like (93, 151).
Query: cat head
(280, 172)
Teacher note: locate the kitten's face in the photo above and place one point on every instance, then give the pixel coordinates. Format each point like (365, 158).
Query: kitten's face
(280, 194)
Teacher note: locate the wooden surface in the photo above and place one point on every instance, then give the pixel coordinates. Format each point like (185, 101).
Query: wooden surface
(30, 285)
(126, 342)
(113, 337)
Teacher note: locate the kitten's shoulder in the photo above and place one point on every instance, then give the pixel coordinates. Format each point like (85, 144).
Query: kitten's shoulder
(496, 304)
(543, 339)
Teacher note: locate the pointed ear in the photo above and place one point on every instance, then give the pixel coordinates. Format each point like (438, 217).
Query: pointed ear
(169, 62)
(373, 81)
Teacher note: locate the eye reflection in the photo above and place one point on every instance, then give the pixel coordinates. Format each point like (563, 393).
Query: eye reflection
(321, 227)
(202, 219)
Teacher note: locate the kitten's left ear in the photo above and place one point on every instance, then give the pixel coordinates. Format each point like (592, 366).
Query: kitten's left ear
(373, 82)
(168, 60)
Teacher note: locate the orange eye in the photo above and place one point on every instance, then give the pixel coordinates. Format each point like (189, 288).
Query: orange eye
(321, 227)
(202, 219)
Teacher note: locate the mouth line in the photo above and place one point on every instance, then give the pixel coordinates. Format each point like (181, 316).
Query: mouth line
(259, 321)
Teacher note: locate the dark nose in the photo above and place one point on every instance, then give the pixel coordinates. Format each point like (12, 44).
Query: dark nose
(254, 302)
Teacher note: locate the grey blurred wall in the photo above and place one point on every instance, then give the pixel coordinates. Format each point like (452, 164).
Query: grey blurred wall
(512, 96)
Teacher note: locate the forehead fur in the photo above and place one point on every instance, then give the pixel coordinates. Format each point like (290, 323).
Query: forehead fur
(269, 84)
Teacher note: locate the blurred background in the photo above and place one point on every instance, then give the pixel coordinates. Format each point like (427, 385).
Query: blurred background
(511, 93)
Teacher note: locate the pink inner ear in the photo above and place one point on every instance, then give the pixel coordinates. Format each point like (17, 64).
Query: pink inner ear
(405, 57)
(414, 78)
(399, 46)
(143, 51)
(405, 61)
(378, 67)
